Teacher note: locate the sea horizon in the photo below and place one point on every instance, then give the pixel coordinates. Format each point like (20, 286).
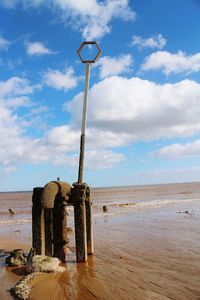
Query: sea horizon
(116, 186)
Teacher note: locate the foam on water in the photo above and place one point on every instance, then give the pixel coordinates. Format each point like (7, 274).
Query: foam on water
(19, 221)
(158, 203)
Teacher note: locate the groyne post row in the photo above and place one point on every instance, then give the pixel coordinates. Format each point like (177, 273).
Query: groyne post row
(49, 219)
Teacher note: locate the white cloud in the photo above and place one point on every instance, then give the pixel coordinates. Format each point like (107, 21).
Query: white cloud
(20, 101)
(59, 145)
(172, 63)
(64, 138)
(4, 43)
(91, 17)
(15, 146)
(97, 23)
(60, 80)
(135, 109)
(55, 149)
(114, 65)
(15, 86)
(94, 159)
(102, 159)
(98, 138)
(180, 150)
(156, 41)
(38, 49)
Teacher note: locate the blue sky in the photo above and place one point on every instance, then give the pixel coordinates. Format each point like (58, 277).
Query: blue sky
(143, 122)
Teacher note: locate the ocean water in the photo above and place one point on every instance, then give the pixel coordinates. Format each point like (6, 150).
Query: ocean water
(117, 200)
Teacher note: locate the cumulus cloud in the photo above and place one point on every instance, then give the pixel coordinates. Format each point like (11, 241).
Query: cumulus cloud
(38, 49)
(135, 109)
(4, 43)
(91, 17)
(56, 148)
(16, 146)
(15, 86)
(172, 63)
(13, 94)
(114, 65)
(180, 150)
(94, 159)
(102, 159)
(60, 80)
(64, 138)
(59, 145)
(156, 41)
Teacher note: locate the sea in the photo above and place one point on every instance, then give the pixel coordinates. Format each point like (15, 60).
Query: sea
(116, 199)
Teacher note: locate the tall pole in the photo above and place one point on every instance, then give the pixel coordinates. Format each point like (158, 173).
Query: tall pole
(83, 127)
(81, 192)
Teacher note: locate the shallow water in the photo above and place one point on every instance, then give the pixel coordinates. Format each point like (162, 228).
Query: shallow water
(117, 200)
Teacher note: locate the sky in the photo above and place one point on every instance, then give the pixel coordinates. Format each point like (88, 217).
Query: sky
(143, 118)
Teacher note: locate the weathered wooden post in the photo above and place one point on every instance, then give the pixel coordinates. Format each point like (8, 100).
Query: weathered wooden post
(48, 225)
(78, 195)
(54, 200)
(49, 219)
(81, 197)
(88, 206)
(60, 239)
(38, 237)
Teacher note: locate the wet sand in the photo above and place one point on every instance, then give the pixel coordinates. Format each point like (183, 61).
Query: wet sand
(144, 254)
(9, 275)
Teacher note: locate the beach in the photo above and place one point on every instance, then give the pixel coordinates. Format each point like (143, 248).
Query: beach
(146, 247)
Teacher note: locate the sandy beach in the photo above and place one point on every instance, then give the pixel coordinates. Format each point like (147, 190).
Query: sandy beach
(139, 254)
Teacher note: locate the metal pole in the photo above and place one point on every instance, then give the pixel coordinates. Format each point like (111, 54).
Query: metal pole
(84, 117)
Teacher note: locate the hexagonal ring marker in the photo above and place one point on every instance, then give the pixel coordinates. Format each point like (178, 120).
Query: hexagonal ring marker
(84, 114)
(89, 60)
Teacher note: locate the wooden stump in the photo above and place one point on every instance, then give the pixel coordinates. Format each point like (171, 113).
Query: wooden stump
(79, 196)
(37, 221)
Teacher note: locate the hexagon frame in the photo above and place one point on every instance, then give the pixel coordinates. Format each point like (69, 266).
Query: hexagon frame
(89, 60)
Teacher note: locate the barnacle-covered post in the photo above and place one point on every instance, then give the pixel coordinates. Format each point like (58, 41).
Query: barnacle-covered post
(82, 204)
(38, 240)
(55, 196)
(49, 219)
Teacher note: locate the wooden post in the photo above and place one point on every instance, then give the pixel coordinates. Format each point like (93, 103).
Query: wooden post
(48, 223)
(42, 233)
(88, 206)
(79, 195)
(60, 239)
(37, 221)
